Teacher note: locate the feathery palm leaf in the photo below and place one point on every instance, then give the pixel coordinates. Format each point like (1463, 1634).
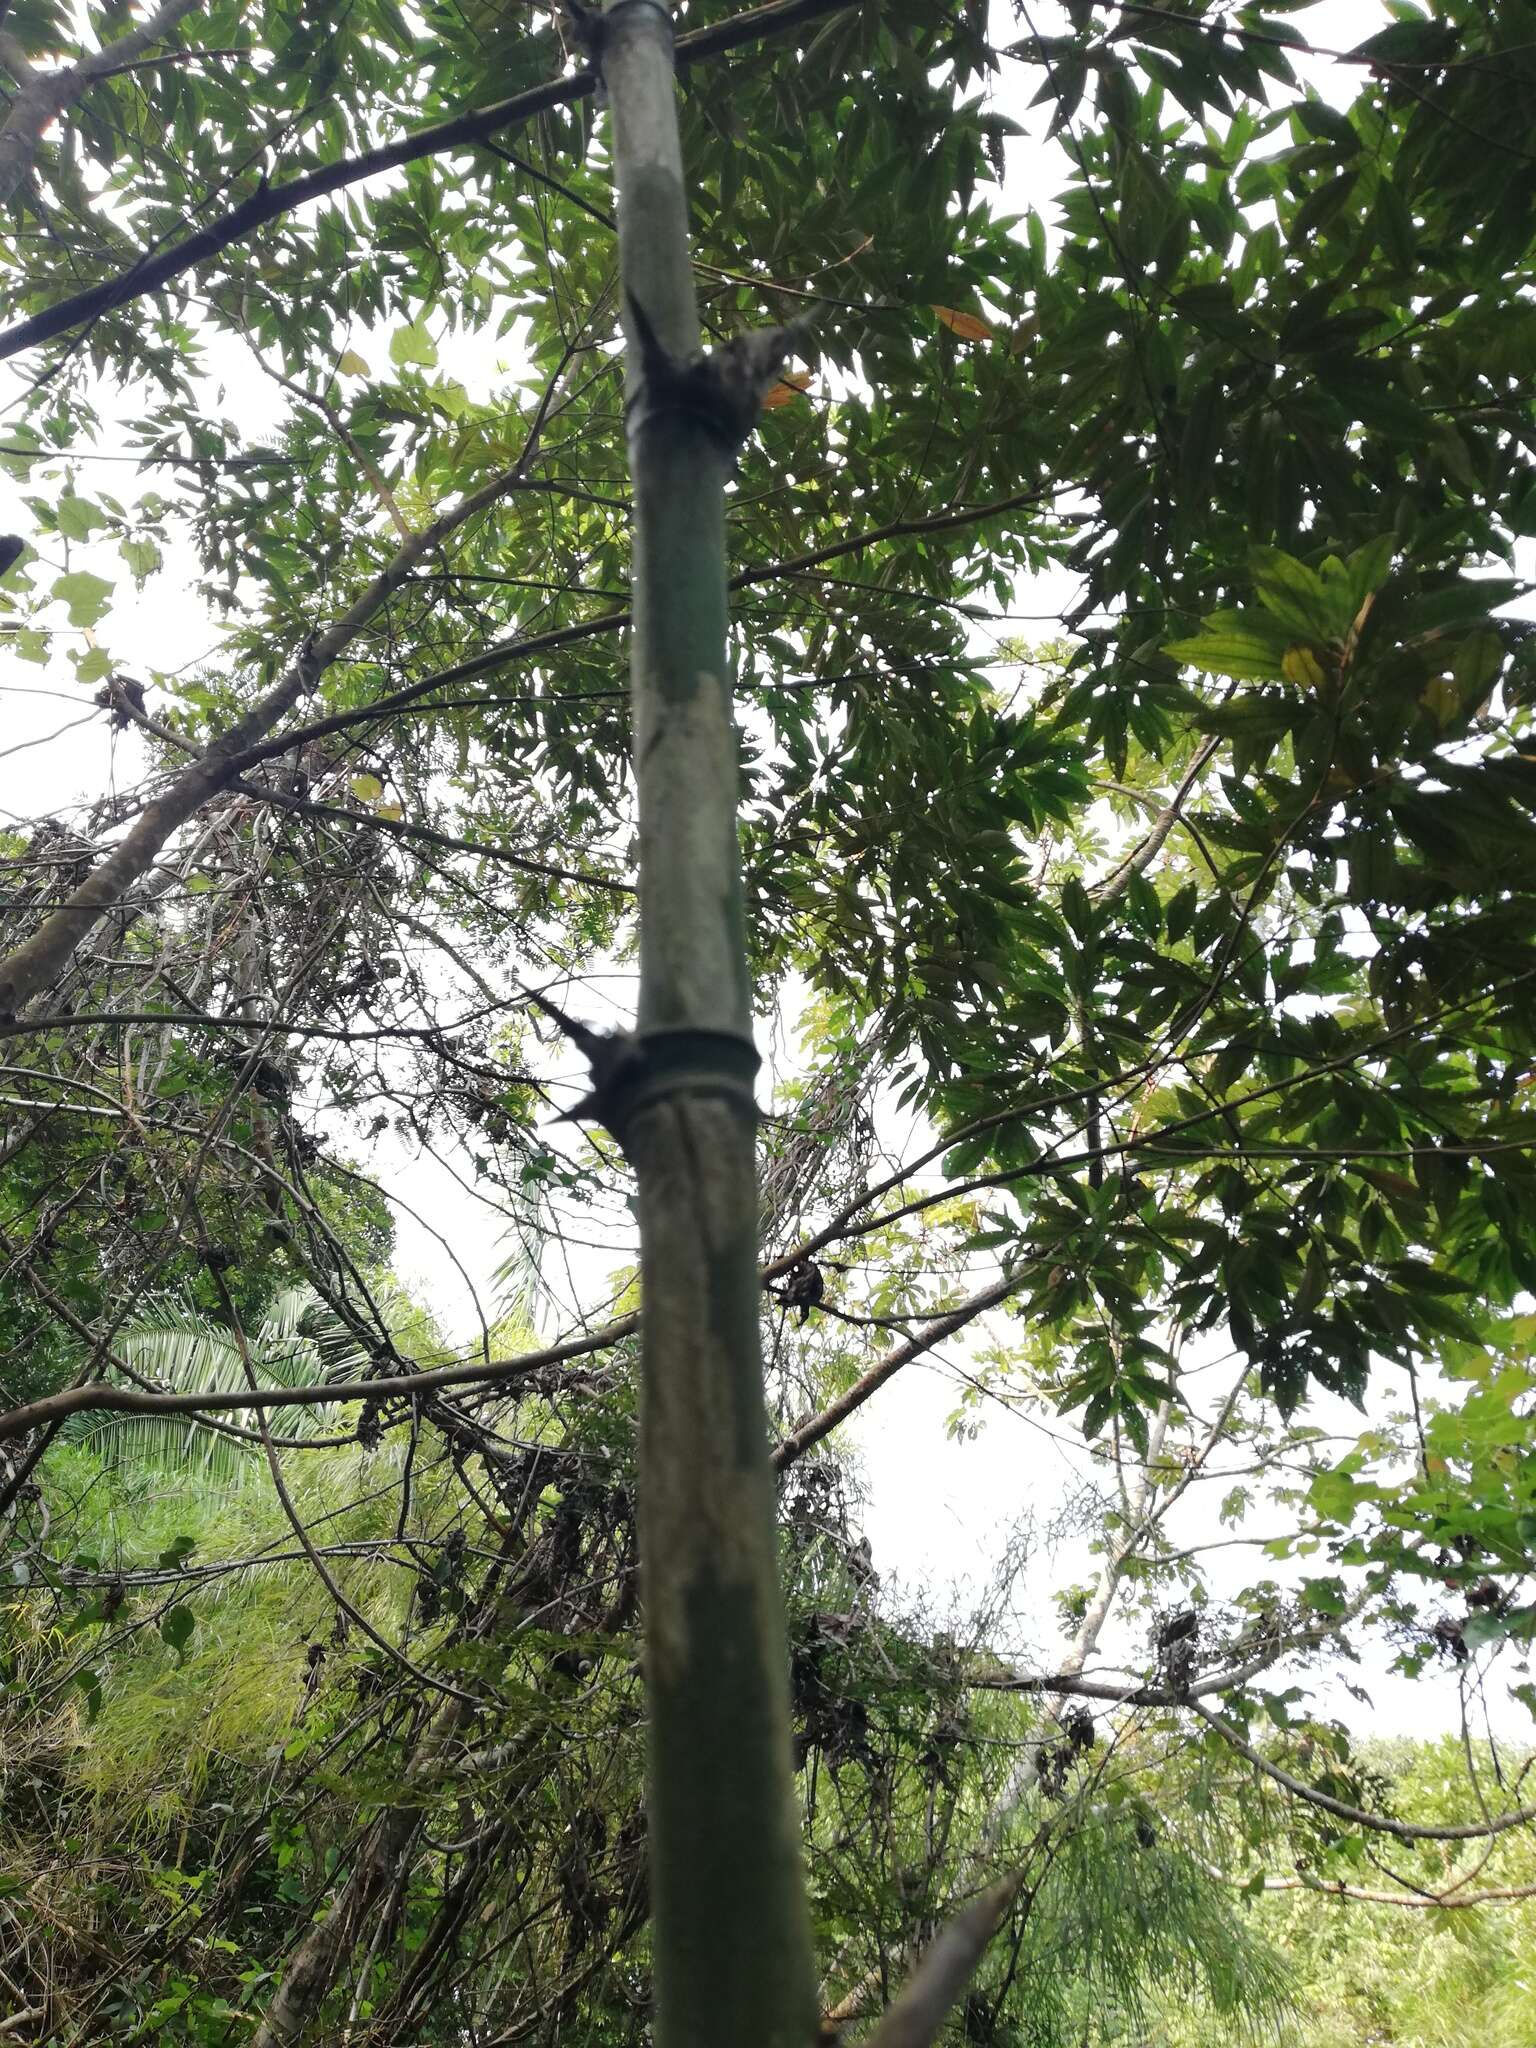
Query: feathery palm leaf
(299, 1342)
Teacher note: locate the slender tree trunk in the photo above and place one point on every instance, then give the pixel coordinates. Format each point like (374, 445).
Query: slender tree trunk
(312, 1968)
(730, 1926)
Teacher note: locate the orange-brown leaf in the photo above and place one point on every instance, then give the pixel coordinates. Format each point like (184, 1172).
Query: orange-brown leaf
(788, 388)
(969, 326)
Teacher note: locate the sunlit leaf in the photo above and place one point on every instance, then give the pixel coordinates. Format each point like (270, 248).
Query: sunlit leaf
(86, 595)
(969, 326)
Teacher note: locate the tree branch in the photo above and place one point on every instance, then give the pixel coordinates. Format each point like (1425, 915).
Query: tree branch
(39, 960)
(523, 647)
(97, 1398)
(799, 1440)
(45, 94)
(1141, 857)
(1336, 1888)
(428, 835)
(1381, 1824)
(270, 202)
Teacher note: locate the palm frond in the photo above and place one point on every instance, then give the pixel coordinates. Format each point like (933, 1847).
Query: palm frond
(299, 1342)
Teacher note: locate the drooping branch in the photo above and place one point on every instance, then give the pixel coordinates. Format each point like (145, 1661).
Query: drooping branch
(1377, 1823)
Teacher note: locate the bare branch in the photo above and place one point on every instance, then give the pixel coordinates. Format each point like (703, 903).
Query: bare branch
(947, 1967)
(799, 1441)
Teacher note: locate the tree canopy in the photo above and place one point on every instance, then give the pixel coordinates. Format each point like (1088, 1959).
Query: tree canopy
(1135, 752)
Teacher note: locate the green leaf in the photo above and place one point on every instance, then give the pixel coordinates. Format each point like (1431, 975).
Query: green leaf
(1312, 216)
(1077, 908)
(1415, 43)
(1214, 307)
(1369, 567)
(142, 556)
(77, 517)
(177, 1627)
(87, 596)
(18, 444)
(1244, 645)
(1394, 226)
(91, 666)
(1475, 666)
(1328, 123)
(1312, 607)
(1479, 1630)
(412, 345)
(1179, 913)
(1203, 432)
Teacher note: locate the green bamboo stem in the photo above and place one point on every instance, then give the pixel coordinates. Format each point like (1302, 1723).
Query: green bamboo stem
(730, 1926)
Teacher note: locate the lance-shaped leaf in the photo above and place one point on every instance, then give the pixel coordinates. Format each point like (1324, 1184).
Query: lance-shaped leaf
(1244, 645)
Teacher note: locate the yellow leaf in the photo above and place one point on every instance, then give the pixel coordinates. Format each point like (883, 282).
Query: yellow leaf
(367, 787)
(352, 364)
(967, 325)
(788, 388)
(393, 811)
(1441, 699)
(1301, 666)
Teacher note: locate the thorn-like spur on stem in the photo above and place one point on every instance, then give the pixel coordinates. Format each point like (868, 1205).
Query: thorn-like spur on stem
(609, 1054)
